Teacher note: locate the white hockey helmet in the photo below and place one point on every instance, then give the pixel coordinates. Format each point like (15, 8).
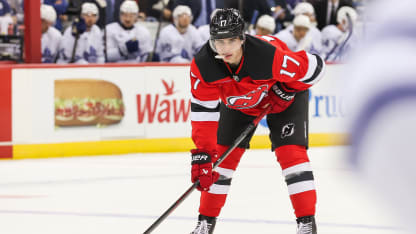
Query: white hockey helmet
(342, 15)
(302, 21)
(48, 13)
(129, 6)
(181, 9)
(89, 8)
(304, 8)
(267, 22)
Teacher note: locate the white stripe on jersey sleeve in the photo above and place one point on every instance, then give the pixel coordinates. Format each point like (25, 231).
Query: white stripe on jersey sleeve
(205, 116)
(313, 64)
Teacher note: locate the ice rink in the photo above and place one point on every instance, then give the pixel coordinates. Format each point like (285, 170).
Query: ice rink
(125, 194)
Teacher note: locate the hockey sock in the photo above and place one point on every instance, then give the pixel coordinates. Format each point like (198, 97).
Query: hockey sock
(211, 202)
(299, 178)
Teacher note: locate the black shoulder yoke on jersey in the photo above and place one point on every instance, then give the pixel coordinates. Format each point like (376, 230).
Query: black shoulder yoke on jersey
(257, 64)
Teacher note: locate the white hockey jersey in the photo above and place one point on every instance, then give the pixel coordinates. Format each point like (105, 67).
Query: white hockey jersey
(311, 43)
(117, 36)
(90, 47)
(333, 47)
(178, 48)
(204, 32)
(50, 45)
(5, 21)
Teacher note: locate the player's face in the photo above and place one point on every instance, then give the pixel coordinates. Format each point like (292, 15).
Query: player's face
(44, 25)
(262, 31)
(300, 32)
(90, 19)
(230, 49)
(184, 20)
(128, 19)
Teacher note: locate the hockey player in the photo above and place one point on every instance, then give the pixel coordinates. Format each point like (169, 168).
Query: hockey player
(248, 73)
(336, 39)
(265, 25)
(204, 29)
(51, 37)
(296, 37)
(83, 42)
(313, 37)
(179, 42)
(204, 32)
(5, 19)
(128, 41)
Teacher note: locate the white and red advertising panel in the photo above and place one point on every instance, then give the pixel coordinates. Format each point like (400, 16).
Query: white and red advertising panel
(58, 104)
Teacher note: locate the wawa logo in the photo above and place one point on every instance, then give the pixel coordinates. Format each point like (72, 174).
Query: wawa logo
(163, 108)
(248, 100)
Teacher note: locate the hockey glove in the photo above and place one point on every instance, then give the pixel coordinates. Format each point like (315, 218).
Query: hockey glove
(281, 97)
(202, 169)
(78, 27)
(132, 45)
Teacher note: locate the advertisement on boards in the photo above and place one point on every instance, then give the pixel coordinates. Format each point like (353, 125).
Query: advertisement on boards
(112, 103)
(86, 102)
(165, 106)
(76, 104)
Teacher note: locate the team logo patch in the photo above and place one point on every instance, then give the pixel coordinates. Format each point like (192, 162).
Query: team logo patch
(288, 130)
(248, 100)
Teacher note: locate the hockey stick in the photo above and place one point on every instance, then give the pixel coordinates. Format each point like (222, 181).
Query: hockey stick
(237, 141)
(159, 27)
(75, 46)
(350, 28)
(343, 41)
(103, 5)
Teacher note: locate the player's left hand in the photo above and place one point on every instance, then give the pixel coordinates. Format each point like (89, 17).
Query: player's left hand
(78, 27)
(202, 169)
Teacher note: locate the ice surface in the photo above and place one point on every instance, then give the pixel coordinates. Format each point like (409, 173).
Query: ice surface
(127, 193)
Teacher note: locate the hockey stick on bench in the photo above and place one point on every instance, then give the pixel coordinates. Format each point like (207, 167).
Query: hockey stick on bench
(342, 41)
(236, 142)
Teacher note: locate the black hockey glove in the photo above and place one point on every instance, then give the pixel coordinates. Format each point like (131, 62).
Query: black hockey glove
(78, 27)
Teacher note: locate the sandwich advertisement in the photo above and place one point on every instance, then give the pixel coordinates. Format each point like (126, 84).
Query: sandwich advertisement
(100, 103)
(86, 102)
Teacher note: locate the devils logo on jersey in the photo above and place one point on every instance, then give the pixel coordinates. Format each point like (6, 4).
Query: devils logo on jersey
(248, 100)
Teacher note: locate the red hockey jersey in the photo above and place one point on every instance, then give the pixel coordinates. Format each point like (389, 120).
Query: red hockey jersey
(266, 60)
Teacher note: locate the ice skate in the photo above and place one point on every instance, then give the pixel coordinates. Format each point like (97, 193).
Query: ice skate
(306, 225)
(205, 225)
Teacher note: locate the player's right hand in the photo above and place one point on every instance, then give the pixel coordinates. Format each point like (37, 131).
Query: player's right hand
(281, 97)
(202, 169)
(78, 27)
